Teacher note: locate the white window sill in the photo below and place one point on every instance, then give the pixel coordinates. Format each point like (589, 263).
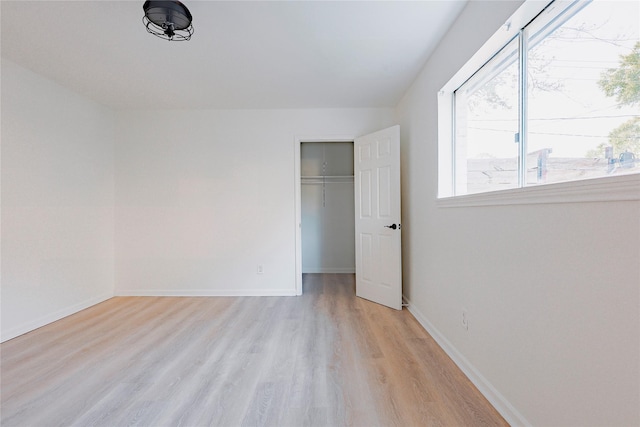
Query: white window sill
(609, 189)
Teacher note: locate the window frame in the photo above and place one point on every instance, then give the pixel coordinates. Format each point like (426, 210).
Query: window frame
(610, 188)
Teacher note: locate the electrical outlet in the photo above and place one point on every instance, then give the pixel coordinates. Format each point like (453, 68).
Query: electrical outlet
(260, 270)
(465, 319)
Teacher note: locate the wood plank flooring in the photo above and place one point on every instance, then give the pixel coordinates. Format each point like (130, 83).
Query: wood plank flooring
(324, 359)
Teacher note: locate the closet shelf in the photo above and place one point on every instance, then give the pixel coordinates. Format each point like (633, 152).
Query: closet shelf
(327, 179)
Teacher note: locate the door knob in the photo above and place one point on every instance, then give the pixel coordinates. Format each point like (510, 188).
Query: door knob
(392, 226)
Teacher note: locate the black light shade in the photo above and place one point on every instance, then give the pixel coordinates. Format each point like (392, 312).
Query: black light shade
(169, 20)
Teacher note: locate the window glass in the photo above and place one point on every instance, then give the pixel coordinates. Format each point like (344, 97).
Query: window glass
(486, 126)
(583, 93)
(559, 101)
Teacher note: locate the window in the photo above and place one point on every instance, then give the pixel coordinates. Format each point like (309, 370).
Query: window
(555, 99)
(486, 122)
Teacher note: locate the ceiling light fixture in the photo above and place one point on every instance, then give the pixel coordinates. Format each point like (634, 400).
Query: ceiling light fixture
(169, 20)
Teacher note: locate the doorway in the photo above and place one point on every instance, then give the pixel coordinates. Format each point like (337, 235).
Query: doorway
(325, 207)
(377, 217)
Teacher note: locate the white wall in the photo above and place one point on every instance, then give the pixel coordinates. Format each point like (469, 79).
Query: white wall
(552, 291)
(204, 197)
(57, 201)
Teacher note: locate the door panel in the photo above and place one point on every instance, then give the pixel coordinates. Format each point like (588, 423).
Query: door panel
(365, 191)
(384, 192)
(366, 242)
(377, 202)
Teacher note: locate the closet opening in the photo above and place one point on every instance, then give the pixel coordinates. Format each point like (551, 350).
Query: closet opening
(327, 221)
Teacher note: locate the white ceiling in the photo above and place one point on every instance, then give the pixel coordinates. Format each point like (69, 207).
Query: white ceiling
(243, 54)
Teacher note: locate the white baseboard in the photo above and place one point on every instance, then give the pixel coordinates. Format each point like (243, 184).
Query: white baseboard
(502, 405)
(205, 292)
(50, 318)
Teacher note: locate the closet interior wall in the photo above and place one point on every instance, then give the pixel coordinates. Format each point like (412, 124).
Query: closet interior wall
(328, 225)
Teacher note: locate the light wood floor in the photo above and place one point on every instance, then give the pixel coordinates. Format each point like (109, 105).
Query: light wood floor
(326, 358)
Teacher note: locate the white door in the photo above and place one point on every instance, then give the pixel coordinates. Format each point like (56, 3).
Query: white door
(377, 212)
